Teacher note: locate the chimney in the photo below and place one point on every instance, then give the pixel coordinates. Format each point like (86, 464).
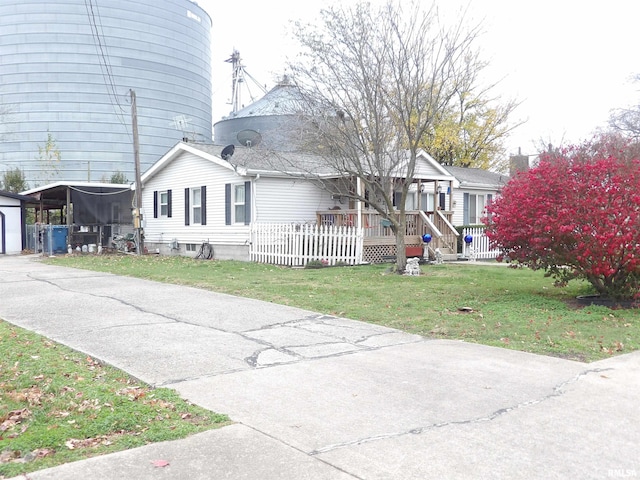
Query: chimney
(518, 163)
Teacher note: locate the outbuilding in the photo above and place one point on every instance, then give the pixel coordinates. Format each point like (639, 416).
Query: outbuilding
(12, 222)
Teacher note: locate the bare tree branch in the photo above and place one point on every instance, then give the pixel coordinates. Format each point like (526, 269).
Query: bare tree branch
(374, 83)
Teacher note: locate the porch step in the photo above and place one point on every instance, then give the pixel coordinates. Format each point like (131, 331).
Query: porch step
(448, 255)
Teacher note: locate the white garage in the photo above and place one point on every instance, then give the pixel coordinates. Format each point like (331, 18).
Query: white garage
(12, 222)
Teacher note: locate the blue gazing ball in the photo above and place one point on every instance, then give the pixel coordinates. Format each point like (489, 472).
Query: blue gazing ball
(426, 238)
(468, 239)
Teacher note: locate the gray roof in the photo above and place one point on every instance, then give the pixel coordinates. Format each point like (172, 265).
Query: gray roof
(477, 177)
(260, 160)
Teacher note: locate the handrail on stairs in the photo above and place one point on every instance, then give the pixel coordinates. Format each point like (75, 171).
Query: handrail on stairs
(431, 225)
(447, 223)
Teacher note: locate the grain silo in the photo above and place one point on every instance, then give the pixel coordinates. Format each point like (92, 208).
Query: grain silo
(67, 70)
(275, 121)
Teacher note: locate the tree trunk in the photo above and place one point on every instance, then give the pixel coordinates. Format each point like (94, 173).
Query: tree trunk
(401, 254)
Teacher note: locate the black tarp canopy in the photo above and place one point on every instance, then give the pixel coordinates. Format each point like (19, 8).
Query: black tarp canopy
(89, 203)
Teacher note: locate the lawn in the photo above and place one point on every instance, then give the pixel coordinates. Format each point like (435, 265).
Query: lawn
(483, 303)
(58, 406)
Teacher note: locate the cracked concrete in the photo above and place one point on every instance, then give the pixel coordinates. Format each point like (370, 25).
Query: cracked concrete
(315, 396)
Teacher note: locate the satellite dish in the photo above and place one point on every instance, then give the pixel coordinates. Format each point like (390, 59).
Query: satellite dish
(249, 138)
(227, 152)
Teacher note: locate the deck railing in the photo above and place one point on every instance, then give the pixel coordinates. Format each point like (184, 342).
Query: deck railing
(375, 226)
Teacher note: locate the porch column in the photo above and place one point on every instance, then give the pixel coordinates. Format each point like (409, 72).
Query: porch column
(359, 205)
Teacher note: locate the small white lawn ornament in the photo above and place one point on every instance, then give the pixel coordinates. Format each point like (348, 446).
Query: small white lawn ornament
(413, 267)
(439, 257)
(472, 254)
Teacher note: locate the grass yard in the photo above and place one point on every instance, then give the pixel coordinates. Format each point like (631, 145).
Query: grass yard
(58, 406)
(489, 304)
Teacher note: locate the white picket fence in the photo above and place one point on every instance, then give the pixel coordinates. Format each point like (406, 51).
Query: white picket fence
(297, 244)
(480, 244)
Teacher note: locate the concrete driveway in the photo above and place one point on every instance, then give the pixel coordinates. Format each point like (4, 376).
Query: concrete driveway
(321, 397)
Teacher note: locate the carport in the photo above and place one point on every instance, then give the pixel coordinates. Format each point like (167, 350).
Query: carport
(86, 213)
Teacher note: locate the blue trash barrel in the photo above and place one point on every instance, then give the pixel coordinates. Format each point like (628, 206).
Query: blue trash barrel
(59, 236)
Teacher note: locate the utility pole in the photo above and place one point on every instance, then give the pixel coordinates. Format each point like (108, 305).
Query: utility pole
(137, 212)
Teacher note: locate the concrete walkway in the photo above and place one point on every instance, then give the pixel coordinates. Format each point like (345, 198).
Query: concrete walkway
(320, 397)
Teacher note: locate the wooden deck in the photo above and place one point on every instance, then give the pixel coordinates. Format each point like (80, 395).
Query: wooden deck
(380, 240)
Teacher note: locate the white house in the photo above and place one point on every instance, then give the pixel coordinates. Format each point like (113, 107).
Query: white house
(192, 195)
(12, 222)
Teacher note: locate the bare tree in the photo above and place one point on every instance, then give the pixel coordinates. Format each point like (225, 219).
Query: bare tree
(376, 81)
(49, 157)
(626, 120)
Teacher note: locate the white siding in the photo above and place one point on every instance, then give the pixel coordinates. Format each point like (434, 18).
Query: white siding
(273, 200)
(190, 171)
(10, 207)
(458, 212)
(425, 170)
(285, 200)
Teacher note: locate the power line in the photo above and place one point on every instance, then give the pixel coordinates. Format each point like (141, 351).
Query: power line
(97, 32)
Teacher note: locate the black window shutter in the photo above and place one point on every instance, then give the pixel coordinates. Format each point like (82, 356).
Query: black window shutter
(203, 205)
(247, 203)
(443, 201)
(186, 206)
(155, 204)
(169, 203)
(227, 204)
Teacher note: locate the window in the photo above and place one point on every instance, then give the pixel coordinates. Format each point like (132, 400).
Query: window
(474, 208)
(196, 205)
(164, 204)
(409, 203)
(427, 202)
(190, 247)
(238, 203)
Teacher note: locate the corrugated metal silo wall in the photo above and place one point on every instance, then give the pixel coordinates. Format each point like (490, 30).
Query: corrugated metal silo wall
(66, 70)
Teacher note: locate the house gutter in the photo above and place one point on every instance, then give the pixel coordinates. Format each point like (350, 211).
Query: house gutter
(254, 203)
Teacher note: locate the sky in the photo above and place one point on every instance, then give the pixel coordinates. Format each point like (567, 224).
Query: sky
(568, 62)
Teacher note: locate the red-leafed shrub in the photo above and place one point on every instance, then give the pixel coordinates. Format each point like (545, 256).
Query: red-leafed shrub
(576, 215)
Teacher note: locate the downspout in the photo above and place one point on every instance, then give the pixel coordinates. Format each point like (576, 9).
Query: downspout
(254, 204)
(3, 244)
(23, 224)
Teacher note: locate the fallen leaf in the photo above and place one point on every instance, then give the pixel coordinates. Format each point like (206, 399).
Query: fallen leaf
(160, 463)
(43, 452)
